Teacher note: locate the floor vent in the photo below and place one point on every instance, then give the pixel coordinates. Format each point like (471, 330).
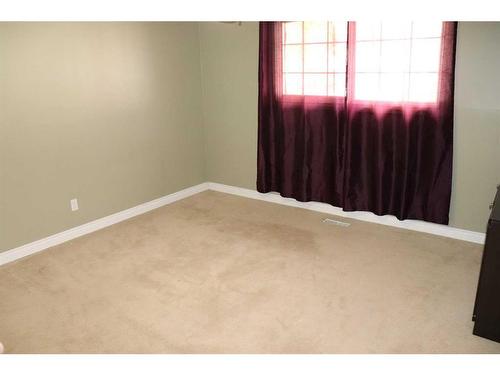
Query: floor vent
(336, 222)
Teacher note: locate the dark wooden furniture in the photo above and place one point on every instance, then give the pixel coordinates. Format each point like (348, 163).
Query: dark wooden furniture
(487, 307)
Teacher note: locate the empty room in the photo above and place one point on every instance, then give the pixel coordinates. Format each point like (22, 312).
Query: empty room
(250, 187)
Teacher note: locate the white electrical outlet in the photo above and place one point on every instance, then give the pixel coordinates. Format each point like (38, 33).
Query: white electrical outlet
(74, 204)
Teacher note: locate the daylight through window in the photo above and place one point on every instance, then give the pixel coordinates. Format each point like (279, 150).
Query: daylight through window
(393, 61)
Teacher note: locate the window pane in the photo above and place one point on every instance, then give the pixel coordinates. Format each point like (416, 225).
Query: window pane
(336, 84)
(367, 56)
(337, 31)
(423, 87)
(368, 30)
(395, 56)
(314, 84)
(425, 55)
(292, 59)
(393, 87)
(427, 29)
(396, 30)
(366, 86)
(394, 61)
(292, 32)
(337, 53)
(315, 32)
(315, 58)
(397, 67)
(292, 84)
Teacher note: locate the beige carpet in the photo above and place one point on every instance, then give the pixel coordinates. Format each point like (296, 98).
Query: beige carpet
(216, 273)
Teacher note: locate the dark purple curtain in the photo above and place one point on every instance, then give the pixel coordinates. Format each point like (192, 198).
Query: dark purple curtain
(387, 158)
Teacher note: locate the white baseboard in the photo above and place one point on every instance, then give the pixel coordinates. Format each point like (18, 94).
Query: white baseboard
(58, 238)
(416, 225)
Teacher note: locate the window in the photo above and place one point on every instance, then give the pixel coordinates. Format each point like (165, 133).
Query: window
(393, 61)
(314, 58)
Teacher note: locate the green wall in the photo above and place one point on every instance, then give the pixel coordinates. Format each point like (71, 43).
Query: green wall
(109, 113)
(229, 57)
(477, 124)
(229, 64)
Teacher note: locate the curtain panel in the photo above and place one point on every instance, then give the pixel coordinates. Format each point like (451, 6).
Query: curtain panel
(386, 157)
